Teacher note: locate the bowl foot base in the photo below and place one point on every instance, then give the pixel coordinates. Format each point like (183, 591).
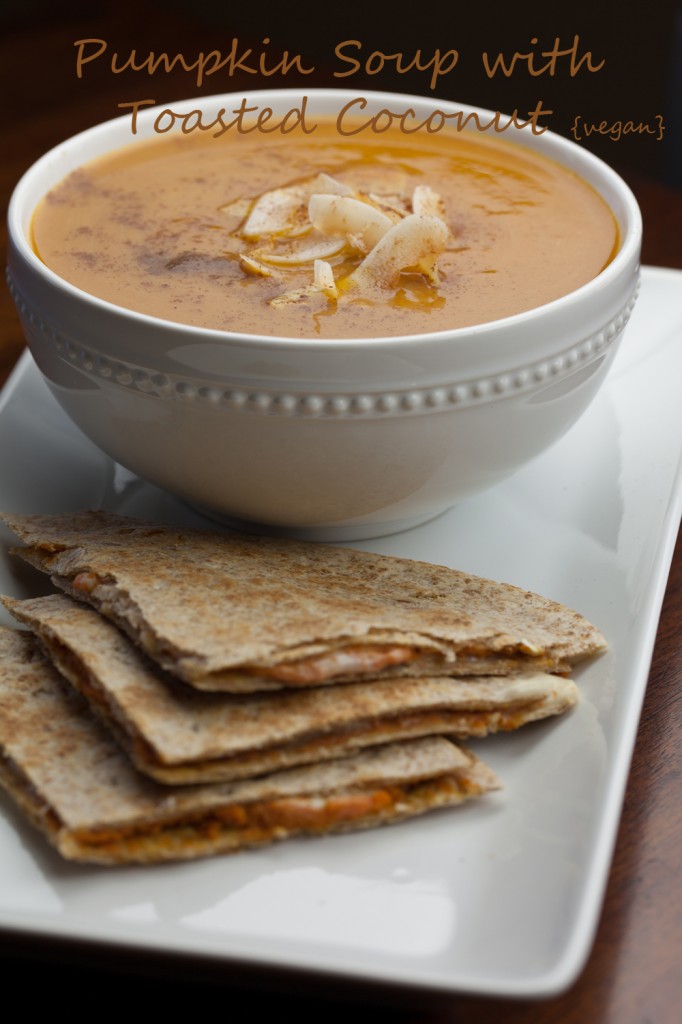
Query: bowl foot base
(326, 532)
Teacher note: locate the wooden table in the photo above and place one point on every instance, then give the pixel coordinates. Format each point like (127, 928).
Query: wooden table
(635, 971)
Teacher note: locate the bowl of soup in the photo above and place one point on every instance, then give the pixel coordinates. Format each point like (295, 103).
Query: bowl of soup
(331, 315)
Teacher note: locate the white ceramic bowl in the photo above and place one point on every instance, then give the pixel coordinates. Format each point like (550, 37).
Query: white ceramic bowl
(329, 439)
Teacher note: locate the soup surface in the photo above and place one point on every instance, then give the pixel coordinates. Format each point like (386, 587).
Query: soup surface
(217, 232)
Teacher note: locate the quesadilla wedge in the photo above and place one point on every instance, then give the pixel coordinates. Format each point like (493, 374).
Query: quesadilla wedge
(177, 735)
(76, 785)
(225, 612)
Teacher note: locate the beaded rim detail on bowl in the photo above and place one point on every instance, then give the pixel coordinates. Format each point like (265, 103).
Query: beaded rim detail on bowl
(289, 403)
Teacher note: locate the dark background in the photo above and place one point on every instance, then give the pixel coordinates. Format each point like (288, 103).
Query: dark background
(642, 76)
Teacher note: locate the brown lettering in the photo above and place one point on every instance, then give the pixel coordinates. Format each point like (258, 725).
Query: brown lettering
(440, 63)
(135, 105)
(408, 122)
(264, 119)
(615, 130)
(348, 60)
(81, 59)
(203, 65)
(552, 56)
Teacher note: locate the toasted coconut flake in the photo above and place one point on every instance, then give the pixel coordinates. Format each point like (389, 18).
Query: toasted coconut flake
(309, 294)
(251, 266)
(379, 226)
(413, 242)
(323, 285)
(335, 215)
(324, 279)
(237, 208)
(292, 297)
(358, 243)
(281, 211)
(427, 203)
(308, 252)
(331, 186)
(394, 205)
(284, 211)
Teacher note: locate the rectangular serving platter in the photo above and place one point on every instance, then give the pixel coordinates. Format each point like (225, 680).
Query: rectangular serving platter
(500, 897)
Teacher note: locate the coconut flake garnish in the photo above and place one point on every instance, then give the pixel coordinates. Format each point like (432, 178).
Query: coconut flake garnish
(252, 266)
(278, 212)
(323, 279)
(394, 205)
(325, 183)
(361, 223)
(392, 232)
(238, 207)
(427, 203)
(413, 242)
(283, 211)
(308, 252)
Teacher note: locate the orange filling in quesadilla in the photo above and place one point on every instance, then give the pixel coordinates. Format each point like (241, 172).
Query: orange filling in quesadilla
(369, 660)
(268, 819)
(356, 658)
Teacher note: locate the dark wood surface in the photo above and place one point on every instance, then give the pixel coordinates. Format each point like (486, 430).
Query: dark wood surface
(634, 973)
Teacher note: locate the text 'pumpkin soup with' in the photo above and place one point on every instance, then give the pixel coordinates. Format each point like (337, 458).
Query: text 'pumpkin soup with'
(321, 235)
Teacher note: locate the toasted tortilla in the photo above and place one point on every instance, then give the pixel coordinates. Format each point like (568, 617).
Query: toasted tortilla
(177, 735)
(225, 612)
(75, 784)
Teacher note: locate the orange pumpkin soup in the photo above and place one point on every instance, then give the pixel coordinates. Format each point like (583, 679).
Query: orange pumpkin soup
(323, 235)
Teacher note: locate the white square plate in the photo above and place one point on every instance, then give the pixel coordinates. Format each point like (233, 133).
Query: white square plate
(500, 896)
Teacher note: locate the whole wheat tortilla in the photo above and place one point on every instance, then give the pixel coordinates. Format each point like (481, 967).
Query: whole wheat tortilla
(75, 784)
(225, 612)
(177, 735)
